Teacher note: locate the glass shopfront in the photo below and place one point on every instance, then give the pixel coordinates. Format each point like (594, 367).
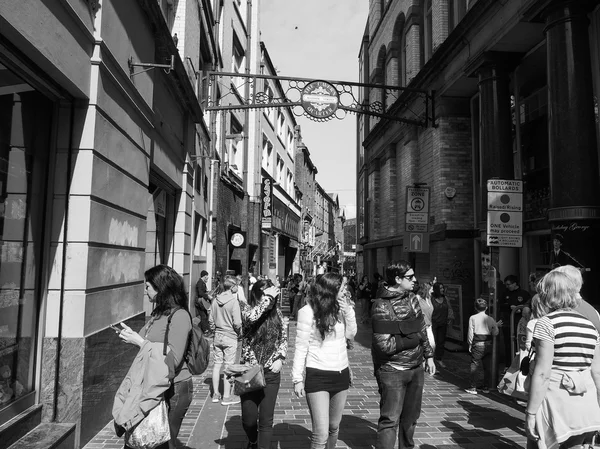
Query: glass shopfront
(25, 132)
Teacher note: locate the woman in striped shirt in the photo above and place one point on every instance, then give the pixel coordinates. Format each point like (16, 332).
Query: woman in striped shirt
(563, 409)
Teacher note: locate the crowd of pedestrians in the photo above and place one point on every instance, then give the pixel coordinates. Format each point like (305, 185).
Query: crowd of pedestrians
(557, 329)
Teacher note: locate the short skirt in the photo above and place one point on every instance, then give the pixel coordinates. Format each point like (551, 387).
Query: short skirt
(330, 381)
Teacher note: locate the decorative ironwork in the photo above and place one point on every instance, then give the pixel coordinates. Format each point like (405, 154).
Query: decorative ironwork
(389, 100)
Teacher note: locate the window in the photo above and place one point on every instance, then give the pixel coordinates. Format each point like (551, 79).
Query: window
(290, 142)
(279, 170)
(280, 126)
(25, 133)
(290, 183)
(235, 146)
(267, 154)
(241, 6)
(238, 60)
(456, 11)
(270, 113)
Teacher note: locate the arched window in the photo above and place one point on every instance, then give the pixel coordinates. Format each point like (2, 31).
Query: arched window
(381, 75)
(399, 50)
(428, 30)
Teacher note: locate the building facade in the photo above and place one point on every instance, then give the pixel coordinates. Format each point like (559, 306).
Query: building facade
(514, 84)
(100, 121)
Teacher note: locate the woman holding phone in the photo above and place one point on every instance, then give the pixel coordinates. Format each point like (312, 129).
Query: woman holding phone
(166, 290)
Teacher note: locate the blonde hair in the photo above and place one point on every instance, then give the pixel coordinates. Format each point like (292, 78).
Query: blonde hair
(558, 291)
(573, 273)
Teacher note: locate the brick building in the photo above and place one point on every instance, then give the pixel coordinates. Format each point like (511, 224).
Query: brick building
(507, 105)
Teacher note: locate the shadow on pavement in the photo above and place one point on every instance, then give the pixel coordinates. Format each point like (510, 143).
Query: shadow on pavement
(236, 438)
(357, 432)
(290, 436)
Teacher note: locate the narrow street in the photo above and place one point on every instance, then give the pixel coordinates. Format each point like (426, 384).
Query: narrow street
(451, 418)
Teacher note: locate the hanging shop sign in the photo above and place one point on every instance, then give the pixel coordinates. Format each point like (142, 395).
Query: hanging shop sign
(320, 99)
(238, 239)
(266, 196)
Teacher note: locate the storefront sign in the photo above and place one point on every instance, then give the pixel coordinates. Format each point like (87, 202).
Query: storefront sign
(266, 195)
(320, 99)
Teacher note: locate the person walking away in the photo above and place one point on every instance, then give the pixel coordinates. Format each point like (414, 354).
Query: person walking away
(166, 290)
(563, 409)
(363, 294)
(441, 317)
(226, 323)
(203, 301)
(482, 330)
(399, 348)
(264, 342)
(324, 324)
(424, 296)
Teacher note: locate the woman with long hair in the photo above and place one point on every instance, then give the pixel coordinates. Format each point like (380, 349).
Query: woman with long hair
(324, 324)
(166, 290)
(264, 342)
(563, 410)
(424, 296)
(442, 316)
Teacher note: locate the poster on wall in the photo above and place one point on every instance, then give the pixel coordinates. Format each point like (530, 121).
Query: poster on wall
(454, 295)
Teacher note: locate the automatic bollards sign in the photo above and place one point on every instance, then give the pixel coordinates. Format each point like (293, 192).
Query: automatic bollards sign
(266, 197)
(505, 213)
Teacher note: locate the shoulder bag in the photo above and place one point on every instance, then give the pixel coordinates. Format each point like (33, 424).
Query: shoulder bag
(246, 378)
(152, 431)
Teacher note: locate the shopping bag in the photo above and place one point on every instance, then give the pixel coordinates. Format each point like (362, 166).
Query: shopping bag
(152, 431)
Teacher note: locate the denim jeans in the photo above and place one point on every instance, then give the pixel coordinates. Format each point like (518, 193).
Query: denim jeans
(399, 407)
(258, 408)
(481, 354)
(325, 413)
(179, 398)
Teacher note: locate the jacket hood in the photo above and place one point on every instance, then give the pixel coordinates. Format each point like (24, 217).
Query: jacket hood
(225, 297)
(386, 293)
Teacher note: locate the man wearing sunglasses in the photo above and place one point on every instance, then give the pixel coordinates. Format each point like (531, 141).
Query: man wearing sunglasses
(399, 348)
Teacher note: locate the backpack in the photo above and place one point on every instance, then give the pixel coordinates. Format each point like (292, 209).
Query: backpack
(197, 355)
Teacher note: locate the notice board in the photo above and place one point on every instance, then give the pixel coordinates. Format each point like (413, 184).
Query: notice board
(454, 295)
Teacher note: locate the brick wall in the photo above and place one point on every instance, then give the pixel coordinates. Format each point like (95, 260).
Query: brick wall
(413, 52)
(440, 22)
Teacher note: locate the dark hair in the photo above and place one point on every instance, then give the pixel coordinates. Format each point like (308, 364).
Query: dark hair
(396, 269)
(512, 279)
(558, 237)
(203, 273)
(271, 319)
(170, 289)
(437, 290)
(322, 298)
(480, 304)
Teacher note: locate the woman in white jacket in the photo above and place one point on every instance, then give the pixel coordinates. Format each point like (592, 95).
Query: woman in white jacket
(324, 324)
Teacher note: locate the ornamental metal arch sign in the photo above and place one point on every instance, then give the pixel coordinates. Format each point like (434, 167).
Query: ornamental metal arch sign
(320, 99)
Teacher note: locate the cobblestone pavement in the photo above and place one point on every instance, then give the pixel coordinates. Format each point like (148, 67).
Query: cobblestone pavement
(450, 418)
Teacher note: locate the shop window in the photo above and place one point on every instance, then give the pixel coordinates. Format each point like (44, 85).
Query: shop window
(25, 132)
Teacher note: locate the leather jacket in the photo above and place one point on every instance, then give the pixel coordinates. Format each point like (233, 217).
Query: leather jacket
(399, 348)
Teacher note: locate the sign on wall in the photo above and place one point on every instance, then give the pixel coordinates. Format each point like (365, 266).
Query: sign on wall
(417, 209)
(266, 208)
(505, 213)
(454, 295)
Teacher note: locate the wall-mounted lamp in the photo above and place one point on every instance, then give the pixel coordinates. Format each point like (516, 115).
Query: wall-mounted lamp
(235, 137)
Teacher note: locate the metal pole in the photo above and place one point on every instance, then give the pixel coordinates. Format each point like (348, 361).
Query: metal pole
(494, 302)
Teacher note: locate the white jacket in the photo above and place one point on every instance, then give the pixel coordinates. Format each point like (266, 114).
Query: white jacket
(313, 352)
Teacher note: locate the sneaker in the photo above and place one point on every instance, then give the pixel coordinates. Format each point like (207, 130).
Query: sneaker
(485, 390)
(216, 397)
(231, 400)
(471, 390)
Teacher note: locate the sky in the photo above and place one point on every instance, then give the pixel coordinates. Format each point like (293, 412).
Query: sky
(320, 39)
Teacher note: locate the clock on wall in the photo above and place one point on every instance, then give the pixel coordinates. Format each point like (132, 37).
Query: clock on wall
(237, 239)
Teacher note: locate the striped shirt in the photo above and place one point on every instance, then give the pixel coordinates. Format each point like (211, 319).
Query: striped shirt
(574, 337)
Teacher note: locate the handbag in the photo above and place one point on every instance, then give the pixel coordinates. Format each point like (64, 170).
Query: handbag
(513, 382)
(246, 378)
(526, 363)
(152, 431)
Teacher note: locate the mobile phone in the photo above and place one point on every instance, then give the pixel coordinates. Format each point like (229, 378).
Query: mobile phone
(116, 329)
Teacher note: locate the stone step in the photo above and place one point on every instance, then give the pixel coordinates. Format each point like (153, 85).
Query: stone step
(48, 436)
